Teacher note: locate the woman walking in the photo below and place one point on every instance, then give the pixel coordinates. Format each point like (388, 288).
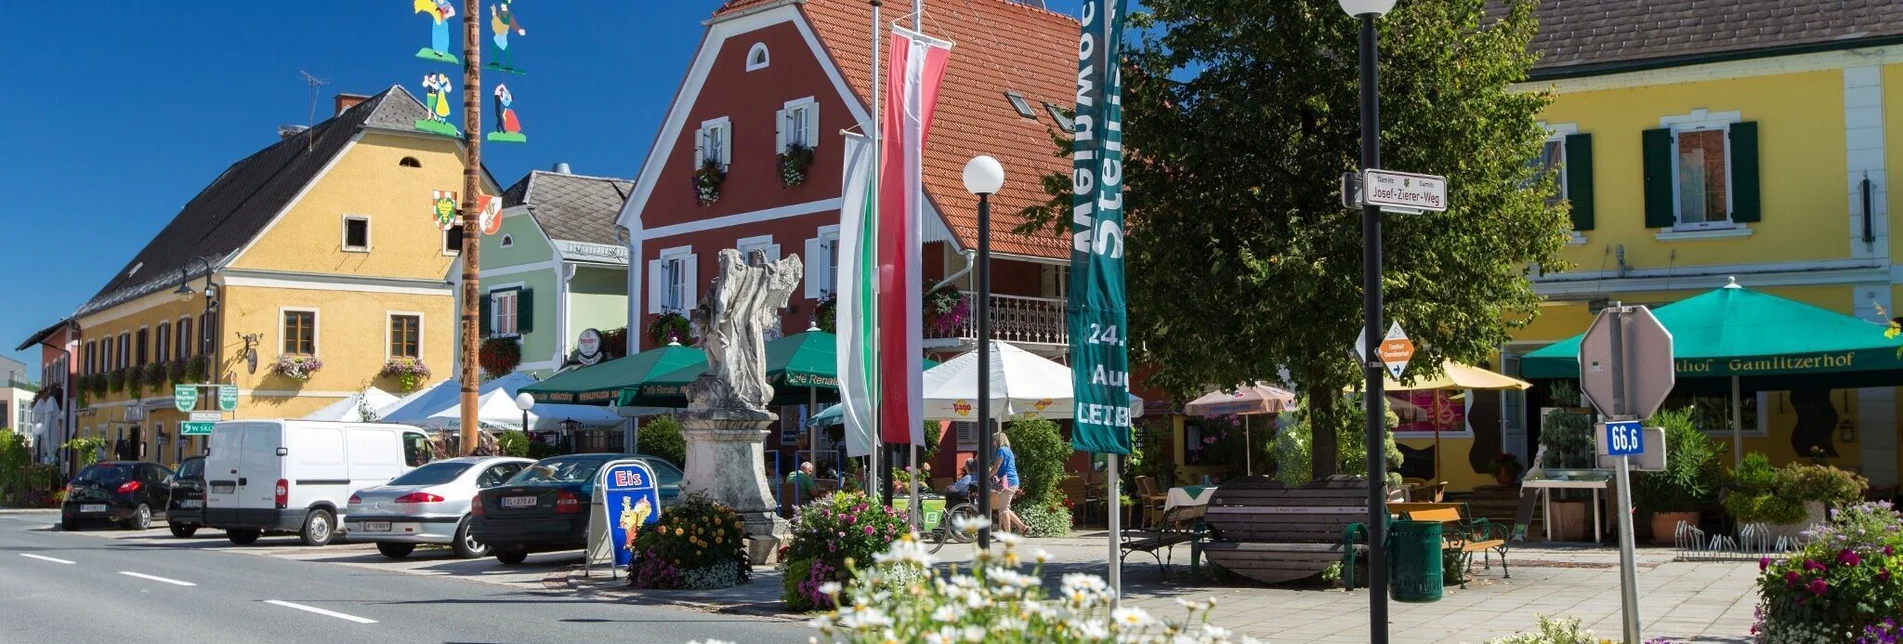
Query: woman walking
(1004, 470)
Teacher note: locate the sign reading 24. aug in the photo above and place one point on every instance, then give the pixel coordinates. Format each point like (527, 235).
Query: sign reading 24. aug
(633, 502)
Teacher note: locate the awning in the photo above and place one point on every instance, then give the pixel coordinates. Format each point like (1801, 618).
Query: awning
(802, 368)
(600, 384)
(1768, 342)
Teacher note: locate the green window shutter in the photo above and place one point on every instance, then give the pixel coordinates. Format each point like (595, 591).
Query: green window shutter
(1658, 179)
(1746, 203)
(482, 316)
(524, 311)
(1579, 179)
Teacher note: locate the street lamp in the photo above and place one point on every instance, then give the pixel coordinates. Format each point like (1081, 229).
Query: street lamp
(524, 401)
(1371, 368)
(983, 177)
(185, 293)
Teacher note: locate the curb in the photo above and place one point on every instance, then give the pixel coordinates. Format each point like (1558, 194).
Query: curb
(572, 580)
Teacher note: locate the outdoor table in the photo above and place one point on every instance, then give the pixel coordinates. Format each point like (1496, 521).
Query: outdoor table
(1547, 481)
(1188, 495)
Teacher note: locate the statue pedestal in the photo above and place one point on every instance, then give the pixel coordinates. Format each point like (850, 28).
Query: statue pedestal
(725, 462)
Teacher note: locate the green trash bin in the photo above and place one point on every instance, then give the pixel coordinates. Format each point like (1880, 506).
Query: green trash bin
(1415, 560)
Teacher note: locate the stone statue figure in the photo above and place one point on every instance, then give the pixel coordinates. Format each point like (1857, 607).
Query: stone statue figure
(743, 302)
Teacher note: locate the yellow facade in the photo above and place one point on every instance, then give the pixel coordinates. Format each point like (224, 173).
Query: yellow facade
(300, 263)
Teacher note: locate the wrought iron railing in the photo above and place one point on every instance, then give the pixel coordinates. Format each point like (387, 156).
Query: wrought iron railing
(1014, 318)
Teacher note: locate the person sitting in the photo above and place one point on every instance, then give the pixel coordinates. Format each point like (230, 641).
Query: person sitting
(960, 490)
(804, 485)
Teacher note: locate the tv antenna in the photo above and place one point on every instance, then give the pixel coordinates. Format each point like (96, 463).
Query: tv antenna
(314, 82)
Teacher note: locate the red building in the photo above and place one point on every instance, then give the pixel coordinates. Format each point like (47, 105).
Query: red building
(774, 73)
(55, 409)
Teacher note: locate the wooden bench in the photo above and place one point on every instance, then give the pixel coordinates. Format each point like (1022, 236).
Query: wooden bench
(1273, 533)
(1461, 532)
(1179, 525)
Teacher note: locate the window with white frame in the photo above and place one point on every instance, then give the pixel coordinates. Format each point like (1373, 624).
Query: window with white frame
(715, 143)
(357, 234)
(757, 57)
(822, 263)
(1552, 162)
(503, 314)
(125, 350)
(762, 243)
(1701, 158)
(671, 279)
(163, 351)
(406, 335)
(185, 338)
(300, 332)
(675, 298)
(799, 124)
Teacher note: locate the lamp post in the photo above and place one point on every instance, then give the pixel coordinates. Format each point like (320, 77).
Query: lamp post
(983, 177)
(1371, 368)
(205, 344)
(524, 401)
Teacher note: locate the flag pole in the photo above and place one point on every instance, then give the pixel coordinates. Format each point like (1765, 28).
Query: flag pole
(917, 511)
(878, 440)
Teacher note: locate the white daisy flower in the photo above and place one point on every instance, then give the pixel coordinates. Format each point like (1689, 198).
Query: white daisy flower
(970, 524)
(1132, 617)
(829, 588)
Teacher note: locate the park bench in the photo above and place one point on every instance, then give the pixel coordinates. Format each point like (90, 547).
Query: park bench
(1461, 533)
(1178, 525)
(1273, 533)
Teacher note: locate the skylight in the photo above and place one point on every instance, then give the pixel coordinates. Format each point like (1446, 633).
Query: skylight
(1057, 114)
(1023, 107)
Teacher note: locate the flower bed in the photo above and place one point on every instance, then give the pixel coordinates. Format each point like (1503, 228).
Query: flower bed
(697, 544)
(1842, 586)
(829, 534)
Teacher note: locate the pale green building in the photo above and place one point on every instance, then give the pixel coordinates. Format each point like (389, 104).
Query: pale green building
(558, 266)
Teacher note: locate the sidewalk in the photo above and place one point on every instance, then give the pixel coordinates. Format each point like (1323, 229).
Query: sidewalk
(1701, 602)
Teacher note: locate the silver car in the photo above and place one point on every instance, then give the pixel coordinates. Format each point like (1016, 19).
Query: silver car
(430, 504)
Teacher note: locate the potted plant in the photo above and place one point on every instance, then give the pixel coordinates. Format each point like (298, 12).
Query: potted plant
(499, 356)
(409, 373)
(116, 380)
(1791, 499)
(1690, 481)
(296, 367)
(696, 544)
(793, 164)
(668, 327)
(1506, 469)
(153, 375)
(1566, 434)
(707, 180)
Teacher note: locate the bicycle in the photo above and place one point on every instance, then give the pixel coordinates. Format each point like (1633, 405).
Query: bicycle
(947, 531)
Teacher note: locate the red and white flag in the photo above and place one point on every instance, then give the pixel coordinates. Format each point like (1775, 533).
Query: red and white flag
(916, 66)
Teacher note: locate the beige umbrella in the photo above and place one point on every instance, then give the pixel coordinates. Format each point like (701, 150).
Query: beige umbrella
(1257, 398)
(1454, 375)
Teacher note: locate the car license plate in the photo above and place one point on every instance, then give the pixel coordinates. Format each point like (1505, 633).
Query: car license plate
(224, 488)
(190, 504)
(93, 507)
(376, 526)
(518, 501)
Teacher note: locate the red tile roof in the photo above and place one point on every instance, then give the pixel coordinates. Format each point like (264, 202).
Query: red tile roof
(998, 46)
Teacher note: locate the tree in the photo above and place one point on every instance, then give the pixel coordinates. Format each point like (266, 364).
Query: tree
(1240, 119)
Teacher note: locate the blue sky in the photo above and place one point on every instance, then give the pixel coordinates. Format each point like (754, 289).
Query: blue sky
(117, 114)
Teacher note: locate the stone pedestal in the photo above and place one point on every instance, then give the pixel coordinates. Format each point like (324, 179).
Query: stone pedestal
(725, 462)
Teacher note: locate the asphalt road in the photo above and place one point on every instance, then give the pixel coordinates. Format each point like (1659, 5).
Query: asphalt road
(90, 588)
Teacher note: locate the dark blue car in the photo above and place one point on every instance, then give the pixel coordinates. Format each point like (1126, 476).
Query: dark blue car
(545, 507)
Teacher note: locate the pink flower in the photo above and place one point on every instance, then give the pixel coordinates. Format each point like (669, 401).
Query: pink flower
(1819, 587)
(1884, 575)
(1849, 558)
(1791, 578)
(1764, 563)
(1813, 565)
(869, 530)
(1888, 552)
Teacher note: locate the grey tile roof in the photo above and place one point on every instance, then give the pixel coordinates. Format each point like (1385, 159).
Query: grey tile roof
(1579, 37)
(572, 207)
(236, 206)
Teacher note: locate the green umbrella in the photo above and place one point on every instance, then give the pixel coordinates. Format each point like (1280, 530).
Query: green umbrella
(600, 384)
(802, 368)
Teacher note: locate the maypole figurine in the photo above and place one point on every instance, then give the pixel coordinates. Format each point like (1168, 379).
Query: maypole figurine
(501, 23)
(436, 104)
(440, 11)
(508, 129)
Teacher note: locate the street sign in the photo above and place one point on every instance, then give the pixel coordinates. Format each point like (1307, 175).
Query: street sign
(1646, 362)
(1396, 350)
(194, 428)
(185, 397)
(1350, 191)
(1404, 192)
(208, 416)
(1650, 460)
(228, 397)
(1624, 437)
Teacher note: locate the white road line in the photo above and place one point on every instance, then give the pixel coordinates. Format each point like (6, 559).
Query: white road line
(44, 558)
(174, 582)
(320, 611)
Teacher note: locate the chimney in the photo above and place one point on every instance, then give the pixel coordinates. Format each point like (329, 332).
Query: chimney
(347, 101)
(562, 168)
(288, 131)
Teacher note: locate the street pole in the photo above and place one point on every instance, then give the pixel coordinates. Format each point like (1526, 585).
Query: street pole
(1621, 408)
(471, 207)
(983, 476)
(1371, 367)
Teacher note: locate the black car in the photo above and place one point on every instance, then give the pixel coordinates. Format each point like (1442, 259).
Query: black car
(186, 513)
(129, 493)
(545, 507)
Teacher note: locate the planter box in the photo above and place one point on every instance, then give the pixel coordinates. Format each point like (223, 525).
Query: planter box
(1814, 514)
(1571, 521)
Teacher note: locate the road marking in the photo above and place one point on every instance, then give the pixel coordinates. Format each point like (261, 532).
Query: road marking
(44, 558)
(320, 611)
(174, 582)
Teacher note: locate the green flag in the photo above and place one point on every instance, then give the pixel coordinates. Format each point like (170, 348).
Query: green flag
(1099, 348)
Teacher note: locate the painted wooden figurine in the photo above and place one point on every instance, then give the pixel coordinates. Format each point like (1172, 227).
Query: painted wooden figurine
(502, 23)
(508, 128)
(440, 11)
(436, 103)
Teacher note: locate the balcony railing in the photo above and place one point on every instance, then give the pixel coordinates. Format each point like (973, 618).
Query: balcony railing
(1014, 318)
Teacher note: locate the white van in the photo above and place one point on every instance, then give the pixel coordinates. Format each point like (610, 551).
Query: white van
(293, 476)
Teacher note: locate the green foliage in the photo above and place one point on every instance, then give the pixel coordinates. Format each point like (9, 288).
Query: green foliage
(116, 380)
(694, 534)
(1843, 580)
(1567, 437)
(19, 475)
(1149, 453)
(1562, 630)
(1043, 519)
(830, 532)
(1832, 486)
(85, 449)
(661, 436)
(1694, 468)
(1240, 119)
(1293, 446)
(1563, 393)
(153, 375)
(1041, 451)
(1762, 494)
(513, 443)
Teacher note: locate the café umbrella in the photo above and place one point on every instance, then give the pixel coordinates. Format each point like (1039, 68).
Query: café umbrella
(1456, 376)
(1256, 398)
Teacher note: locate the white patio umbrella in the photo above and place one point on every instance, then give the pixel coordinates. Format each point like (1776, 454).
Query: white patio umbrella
(1023, 385)
(1256, 398)
(497, 409)
(351, 408)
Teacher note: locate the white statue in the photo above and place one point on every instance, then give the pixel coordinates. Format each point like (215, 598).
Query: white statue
(743, 302)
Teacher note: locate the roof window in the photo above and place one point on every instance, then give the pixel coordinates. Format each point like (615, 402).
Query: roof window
(1057, 114)
(1023, 107)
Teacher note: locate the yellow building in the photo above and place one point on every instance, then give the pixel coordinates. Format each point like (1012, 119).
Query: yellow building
(321, 247)
(1695, 147)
